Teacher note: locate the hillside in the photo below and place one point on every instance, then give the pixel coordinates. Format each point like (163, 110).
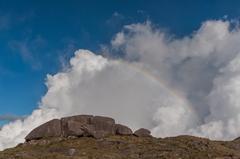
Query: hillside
(124, 147)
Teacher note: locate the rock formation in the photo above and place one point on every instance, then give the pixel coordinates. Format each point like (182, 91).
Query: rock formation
(51, 128)
(78, 137)
(123, 130)
(83, 125)
(142, 133)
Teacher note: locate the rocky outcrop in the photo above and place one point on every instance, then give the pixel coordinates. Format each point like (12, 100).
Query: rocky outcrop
(102, 126)
(123, 130)
(82, 125)
(142, 133)
(49, 129)
(87, 125)
(76, 125)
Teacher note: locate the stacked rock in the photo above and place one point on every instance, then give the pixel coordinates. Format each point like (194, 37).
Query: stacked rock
(83, 125)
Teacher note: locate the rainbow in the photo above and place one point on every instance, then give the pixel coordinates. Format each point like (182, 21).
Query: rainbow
(144, 71)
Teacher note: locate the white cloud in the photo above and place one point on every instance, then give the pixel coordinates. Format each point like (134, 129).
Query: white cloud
(172, 86)
(203, 66)
(96, 85)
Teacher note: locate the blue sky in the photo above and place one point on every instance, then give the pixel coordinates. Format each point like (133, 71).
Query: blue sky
(39, 37)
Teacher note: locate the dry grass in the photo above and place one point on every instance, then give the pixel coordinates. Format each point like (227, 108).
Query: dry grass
(124, 147)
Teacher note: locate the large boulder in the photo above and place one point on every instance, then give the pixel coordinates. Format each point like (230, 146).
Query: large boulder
(73, 128)
(102, 126)
(51, 128)
(87, 125)
(75, 125)
(122, 130)
(142, 133)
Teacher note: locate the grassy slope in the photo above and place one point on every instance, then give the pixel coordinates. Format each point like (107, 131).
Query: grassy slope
(124, 147)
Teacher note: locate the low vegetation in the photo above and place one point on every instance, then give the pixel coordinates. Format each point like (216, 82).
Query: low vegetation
(124, 147)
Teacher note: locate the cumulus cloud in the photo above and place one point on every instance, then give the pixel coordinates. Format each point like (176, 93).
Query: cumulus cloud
(172, 86)
(203, 66)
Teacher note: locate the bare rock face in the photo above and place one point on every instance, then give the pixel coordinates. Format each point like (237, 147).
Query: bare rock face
(142, 133)
(51, 128)
(87, 125)
(103, 126)
(73, 129)
(123, 130)
(75, 125)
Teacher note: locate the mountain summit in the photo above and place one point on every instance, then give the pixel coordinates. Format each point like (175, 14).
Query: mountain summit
(99, 137)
